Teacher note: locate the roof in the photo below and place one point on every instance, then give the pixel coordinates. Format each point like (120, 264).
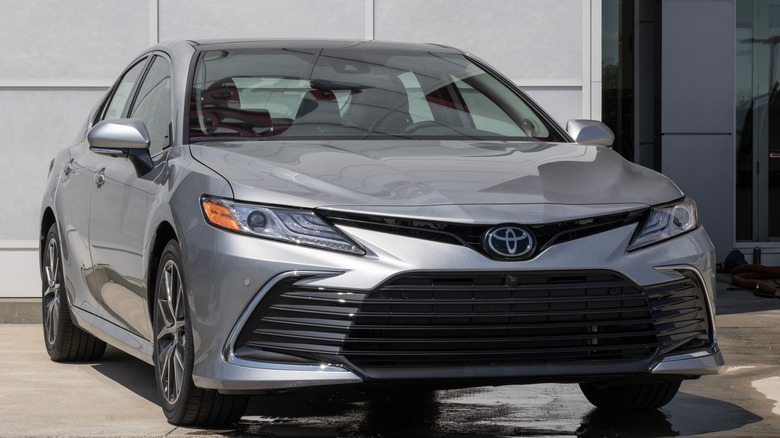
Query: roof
(228, 44)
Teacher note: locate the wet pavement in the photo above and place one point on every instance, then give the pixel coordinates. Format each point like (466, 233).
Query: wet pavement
(117, 397)
(535, 410)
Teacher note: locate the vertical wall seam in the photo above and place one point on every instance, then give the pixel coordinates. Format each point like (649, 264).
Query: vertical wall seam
(154, 22)
(586, 59)
(596, 81)
(734, 126)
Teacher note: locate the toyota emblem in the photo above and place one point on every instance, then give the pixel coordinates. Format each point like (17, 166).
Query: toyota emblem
(509, 242)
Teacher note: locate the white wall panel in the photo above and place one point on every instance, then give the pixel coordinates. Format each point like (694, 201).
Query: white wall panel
(199, 19)
(71, 39)
(19, 265)
(35, 124)
(522, 38)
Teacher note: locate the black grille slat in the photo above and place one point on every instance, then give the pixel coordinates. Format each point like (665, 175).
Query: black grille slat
(296, 348)
(302, 334)
(482, 301)
(672, 301)
(320, 323)
(332, 337)
(500, 356)
(668, 316)
(509, 340)
(492, 301)
(437, 319)
(546, 351)
(681, 327)
(315, 310)
(512, 314)
(582, 324)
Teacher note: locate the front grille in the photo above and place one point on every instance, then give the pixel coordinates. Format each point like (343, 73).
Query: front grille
(470, 236)
(444, 319)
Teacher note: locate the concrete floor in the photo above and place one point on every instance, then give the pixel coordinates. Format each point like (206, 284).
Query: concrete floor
(117, 397)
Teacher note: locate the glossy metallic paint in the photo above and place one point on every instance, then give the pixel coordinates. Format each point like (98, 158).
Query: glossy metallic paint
(110, 232)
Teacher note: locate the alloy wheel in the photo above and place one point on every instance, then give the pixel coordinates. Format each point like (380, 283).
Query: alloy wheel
(171, 335)
(51, 294)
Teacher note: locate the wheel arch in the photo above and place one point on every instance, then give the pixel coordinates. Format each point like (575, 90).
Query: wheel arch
(162, 235)
(47, 220)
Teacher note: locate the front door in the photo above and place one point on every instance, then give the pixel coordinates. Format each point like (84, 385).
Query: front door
(120, 228)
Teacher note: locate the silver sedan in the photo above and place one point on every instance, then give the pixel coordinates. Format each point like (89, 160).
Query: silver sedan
(253, 216)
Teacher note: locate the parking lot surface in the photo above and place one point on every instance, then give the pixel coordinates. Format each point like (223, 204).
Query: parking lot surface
(116, 397)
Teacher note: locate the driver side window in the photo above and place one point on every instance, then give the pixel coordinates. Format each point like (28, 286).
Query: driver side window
(116, 106)
(153, 104)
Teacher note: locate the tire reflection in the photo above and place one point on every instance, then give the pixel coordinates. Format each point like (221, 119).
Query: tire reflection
(605, 423)
(401, 414)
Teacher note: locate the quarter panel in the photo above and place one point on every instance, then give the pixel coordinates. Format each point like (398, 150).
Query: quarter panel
(178, 204)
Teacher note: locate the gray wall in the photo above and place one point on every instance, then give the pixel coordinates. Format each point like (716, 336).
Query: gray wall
(59, 56)
(697, 109)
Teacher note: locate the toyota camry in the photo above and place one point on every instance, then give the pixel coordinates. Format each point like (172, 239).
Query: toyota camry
(254, 216)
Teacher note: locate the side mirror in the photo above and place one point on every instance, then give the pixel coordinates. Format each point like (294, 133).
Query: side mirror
(123, 137)
(591, 132)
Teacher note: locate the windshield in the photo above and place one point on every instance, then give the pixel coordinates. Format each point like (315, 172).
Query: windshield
(354, 93)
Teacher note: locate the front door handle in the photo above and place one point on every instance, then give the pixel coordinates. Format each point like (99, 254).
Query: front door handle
(99, 177)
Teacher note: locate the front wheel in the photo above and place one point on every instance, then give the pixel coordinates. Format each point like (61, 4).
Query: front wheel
(183, 403)
(635, 397)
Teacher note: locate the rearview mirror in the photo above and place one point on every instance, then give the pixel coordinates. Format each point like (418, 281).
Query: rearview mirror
(123, 137)
(590, 132)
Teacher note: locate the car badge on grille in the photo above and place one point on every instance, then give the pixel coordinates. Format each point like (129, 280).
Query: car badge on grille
(509, 242)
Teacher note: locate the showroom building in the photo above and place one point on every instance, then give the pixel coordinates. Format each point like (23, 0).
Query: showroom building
(689, 86)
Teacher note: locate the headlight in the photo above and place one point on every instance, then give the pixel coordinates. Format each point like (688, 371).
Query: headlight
(665, 222)
(295, 226)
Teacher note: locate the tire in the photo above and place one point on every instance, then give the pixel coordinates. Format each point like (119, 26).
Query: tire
(636, 397)
(65, 342)
(183, 403)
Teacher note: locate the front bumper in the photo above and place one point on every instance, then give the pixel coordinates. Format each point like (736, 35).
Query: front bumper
(223, 305)
(708, 361)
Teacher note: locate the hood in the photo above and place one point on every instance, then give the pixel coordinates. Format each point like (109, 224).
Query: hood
(457, 180)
